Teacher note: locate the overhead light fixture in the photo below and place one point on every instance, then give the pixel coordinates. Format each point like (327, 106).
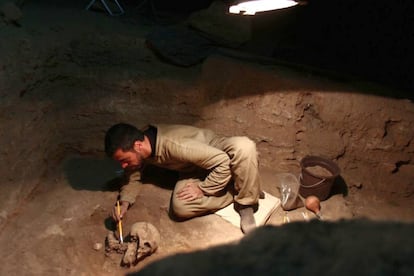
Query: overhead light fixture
(252, 7)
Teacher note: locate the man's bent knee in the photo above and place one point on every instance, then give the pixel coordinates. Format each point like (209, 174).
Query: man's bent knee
(180, 213)
(244, 147)
(182, 209)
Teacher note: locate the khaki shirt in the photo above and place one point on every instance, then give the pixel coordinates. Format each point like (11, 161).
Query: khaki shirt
(182, 148)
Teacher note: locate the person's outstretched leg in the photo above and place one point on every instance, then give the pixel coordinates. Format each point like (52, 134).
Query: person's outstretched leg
(245, 172)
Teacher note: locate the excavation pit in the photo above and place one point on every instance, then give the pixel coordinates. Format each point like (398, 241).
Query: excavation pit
(63, 85)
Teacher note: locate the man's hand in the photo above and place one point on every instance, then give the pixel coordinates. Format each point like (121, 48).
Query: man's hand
(190, 192)
(124, 208)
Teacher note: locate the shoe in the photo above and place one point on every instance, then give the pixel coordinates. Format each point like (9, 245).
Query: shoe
(247, 221)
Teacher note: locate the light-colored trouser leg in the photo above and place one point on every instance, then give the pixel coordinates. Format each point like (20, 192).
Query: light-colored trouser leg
(246, 179)
(244, 167)
(200, 206)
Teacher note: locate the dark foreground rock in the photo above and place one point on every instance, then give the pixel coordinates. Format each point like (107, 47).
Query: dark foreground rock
(315, 248)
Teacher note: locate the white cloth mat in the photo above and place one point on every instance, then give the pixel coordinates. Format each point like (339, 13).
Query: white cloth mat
(267, 206)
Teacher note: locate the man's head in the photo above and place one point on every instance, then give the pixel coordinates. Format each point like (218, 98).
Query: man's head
(123, 142)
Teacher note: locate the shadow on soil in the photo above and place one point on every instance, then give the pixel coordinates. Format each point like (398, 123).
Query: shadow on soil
(94, 174)
(97, 174)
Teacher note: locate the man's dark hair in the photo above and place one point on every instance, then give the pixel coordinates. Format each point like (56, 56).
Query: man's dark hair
(121, 136)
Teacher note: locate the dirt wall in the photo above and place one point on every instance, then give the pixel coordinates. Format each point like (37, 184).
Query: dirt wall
(59, 93)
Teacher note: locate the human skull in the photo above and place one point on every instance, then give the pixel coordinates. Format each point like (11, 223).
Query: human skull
(147, 236)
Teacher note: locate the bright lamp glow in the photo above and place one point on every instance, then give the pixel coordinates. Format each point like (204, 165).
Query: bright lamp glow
(251, 7)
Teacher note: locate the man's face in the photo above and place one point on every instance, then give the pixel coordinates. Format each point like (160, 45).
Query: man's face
(129, 160)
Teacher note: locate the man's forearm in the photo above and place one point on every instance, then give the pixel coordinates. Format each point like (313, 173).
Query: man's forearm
(217, 179)
(130, 191)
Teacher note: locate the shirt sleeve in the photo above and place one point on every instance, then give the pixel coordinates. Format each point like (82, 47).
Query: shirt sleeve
(131, 189)
(207, 157)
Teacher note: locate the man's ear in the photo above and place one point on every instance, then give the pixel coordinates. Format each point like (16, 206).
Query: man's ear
(137, 145)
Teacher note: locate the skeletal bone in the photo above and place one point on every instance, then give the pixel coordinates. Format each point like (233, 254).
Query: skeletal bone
(148, 238)
(130, 256)
(112, 243)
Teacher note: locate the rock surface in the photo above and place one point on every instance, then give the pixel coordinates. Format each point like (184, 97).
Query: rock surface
(298, 249)
(10, 12)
